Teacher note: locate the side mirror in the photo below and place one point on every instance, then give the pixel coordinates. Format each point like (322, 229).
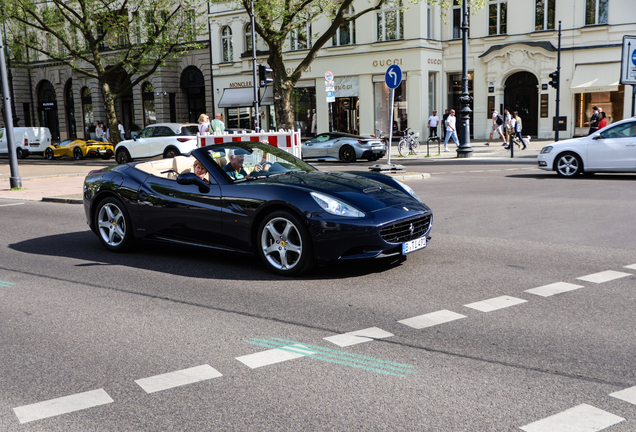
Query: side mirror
(596, 137)
(191, 178)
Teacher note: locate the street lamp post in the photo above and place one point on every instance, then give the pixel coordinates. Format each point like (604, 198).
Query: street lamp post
(465, 150)
(10, 75)
(15, 181)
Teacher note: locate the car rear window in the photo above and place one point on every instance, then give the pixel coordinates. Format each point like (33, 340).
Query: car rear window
(163, 131)
(189, 130)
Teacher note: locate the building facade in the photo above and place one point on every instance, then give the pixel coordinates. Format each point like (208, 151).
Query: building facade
(512, 49)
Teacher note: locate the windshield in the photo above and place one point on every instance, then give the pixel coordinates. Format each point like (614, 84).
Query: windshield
(246, 160)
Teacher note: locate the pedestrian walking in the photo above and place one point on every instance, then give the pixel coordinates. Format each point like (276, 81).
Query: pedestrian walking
(99, 131)
(122, 132)
(204, 124)
(516, 123)
(497, 121)
(603, 122)
(508, 126)
(433, 120)
(217, 125)
(444, 117)
(451, 130)
(593, 120)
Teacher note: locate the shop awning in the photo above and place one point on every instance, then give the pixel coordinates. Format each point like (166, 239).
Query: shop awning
(590, 78)
(244, 97)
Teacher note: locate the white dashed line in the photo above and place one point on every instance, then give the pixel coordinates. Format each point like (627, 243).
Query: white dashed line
(627, 395)
(63, 405)
(175, 379)
(494, 170)
(7, 205)
(553, 289)
(273, 356)
(358, 336)
(495, 303)
(631, 266)
(477, 171)
(605, 276)
(432, 319)
(582, 418)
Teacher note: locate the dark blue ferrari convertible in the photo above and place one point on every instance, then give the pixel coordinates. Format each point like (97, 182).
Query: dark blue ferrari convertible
(251, 197)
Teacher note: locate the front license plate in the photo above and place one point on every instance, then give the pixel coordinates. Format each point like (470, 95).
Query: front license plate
(413, 245)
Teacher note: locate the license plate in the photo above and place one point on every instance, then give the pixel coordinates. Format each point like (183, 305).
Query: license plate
(98, 151)
(413, 245)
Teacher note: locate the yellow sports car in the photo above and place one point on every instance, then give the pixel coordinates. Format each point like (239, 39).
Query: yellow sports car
(79, 149)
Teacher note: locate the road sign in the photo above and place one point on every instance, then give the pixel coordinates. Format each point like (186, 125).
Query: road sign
(331, 99)
(330, 94)
(393, 76)
(628, 61)
(329, 76)
(330, 85)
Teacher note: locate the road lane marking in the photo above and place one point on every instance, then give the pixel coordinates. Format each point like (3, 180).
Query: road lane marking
(431, 319)
(582, 418)
(63, 405)
(178, 378)
(7, 205)
(358, 336)
(631, 266)
(273, 356)
(342, 358)
(604, 276)
(495, 303)
(628, 395)
(553, 289)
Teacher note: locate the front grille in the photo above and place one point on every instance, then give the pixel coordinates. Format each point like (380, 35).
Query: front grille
(406, 230)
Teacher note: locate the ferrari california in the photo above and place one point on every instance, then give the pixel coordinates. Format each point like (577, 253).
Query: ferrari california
(249, 197)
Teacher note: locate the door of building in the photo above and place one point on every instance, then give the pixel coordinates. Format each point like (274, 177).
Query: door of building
(346, 115)
(47, 107)
(522, 94)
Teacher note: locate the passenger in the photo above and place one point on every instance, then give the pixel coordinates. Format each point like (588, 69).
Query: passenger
(200, 171)
(234, 168)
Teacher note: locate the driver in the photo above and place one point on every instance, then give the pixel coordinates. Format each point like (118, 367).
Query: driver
(234, 168)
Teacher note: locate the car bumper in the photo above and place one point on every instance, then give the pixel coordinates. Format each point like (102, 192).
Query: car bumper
(545, 162)
(99, 153)
(341, 239)
(373, 153)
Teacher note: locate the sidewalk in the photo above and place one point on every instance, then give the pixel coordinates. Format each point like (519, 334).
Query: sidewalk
(67, 188)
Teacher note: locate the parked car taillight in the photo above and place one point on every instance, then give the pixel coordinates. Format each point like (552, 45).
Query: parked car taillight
(185, 139)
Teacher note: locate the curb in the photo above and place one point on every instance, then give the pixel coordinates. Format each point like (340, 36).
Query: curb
(62, 200)
(409, 176)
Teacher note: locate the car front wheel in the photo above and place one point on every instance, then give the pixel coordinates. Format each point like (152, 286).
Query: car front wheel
(283, 244)
(569, 165)
(113, 225)
(48, 153)
(122, 156)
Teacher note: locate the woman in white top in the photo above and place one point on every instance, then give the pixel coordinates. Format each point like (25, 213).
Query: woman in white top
(204, 124)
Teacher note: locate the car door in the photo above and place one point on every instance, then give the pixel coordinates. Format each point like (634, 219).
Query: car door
(614, 148)
(317, 146)
(161, 138)
(181, 212)
(140, 147)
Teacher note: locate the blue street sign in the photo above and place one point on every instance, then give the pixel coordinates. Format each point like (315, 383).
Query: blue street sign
(393, 76)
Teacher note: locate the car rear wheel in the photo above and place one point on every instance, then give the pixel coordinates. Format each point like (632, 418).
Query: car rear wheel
(21, 154)
(122, 156)
(283, 244)
(569, 165)
(113, 225)
(347, 154)
(77, 153)
(48, 153)
(170, 153)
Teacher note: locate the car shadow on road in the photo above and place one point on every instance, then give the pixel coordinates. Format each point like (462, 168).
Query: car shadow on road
(547, 175)
(184, 261)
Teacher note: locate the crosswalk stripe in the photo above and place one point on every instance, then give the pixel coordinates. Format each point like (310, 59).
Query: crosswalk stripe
(495, 303)
(358, 336)
(553, 289)
(63, 405)
(431, 319)
(273, 356)
(631, 266)
(628, 395)
(582, 418)
(178, 378)
(604, 276)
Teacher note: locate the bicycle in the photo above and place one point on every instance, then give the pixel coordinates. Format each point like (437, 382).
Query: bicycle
(409, 144)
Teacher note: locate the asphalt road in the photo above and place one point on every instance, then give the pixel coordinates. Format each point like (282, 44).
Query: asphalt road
(102, 330)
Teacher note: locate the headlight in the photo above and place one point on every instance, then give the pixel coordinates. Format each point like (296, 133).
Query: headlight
(336, 207)
(408, 190)
(546, 149)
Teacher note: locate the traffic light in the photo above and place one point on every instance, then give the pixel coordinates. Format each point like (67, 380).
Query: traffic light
(262, 75)
(555, 79)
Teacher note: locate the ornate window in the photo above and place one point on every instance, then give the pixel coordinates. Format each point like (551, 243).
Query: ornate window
(346, 33)
(497, 17)
(300, 37)
(87, 109)
(226, 44)
(544, 14)
(391, 21)
(248, 38)
(457, 19)
(596, 12)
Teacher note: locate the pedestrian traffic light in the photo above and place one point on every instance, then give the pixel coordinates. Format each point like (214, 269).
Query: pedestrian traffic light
(262, 75)
(555, 79)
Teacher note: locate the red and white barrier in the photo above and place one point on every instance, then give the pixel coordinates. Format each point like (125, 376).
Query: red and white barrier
(285, 140)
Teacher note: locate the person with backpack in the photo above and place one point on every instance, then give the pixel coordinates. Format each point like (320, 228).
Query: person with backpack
(497, 121)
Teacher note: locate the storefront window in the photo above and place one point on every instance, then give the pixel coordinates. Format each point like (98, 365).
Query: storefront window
(455, 92)
(303, 102)
(87, 110)
(611, 103)
(432, 91)
(382, 96)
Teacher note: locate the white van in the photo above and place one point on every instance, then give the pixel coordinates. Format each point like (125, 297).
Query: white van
(28, 140)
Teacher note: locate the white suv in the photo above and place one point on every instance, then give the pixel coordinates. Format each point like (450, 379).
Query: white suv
(166, 139)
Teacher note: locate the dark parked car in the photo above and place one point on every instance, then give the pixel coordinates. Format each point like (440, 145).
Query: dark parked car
(258, 199)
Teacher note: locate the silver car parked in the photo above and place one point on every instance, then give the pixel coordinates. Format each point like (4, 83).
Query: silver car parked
(345, 147)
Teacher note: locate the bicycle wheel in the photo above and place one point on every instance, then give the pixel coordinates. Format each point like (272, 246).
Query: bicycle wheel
(415, 147)
(403, 148)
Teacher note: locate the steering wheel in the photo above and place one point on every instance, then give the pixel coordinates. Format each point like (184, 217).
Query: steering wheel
(265, 164)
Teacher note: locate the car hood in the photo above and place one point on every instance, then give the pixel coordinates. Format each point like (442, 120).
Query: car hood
(366, 194)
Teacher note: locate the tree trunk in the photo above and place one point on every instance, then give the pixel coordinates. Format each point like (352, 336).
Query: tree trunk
(111, 115)
(283, 86)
